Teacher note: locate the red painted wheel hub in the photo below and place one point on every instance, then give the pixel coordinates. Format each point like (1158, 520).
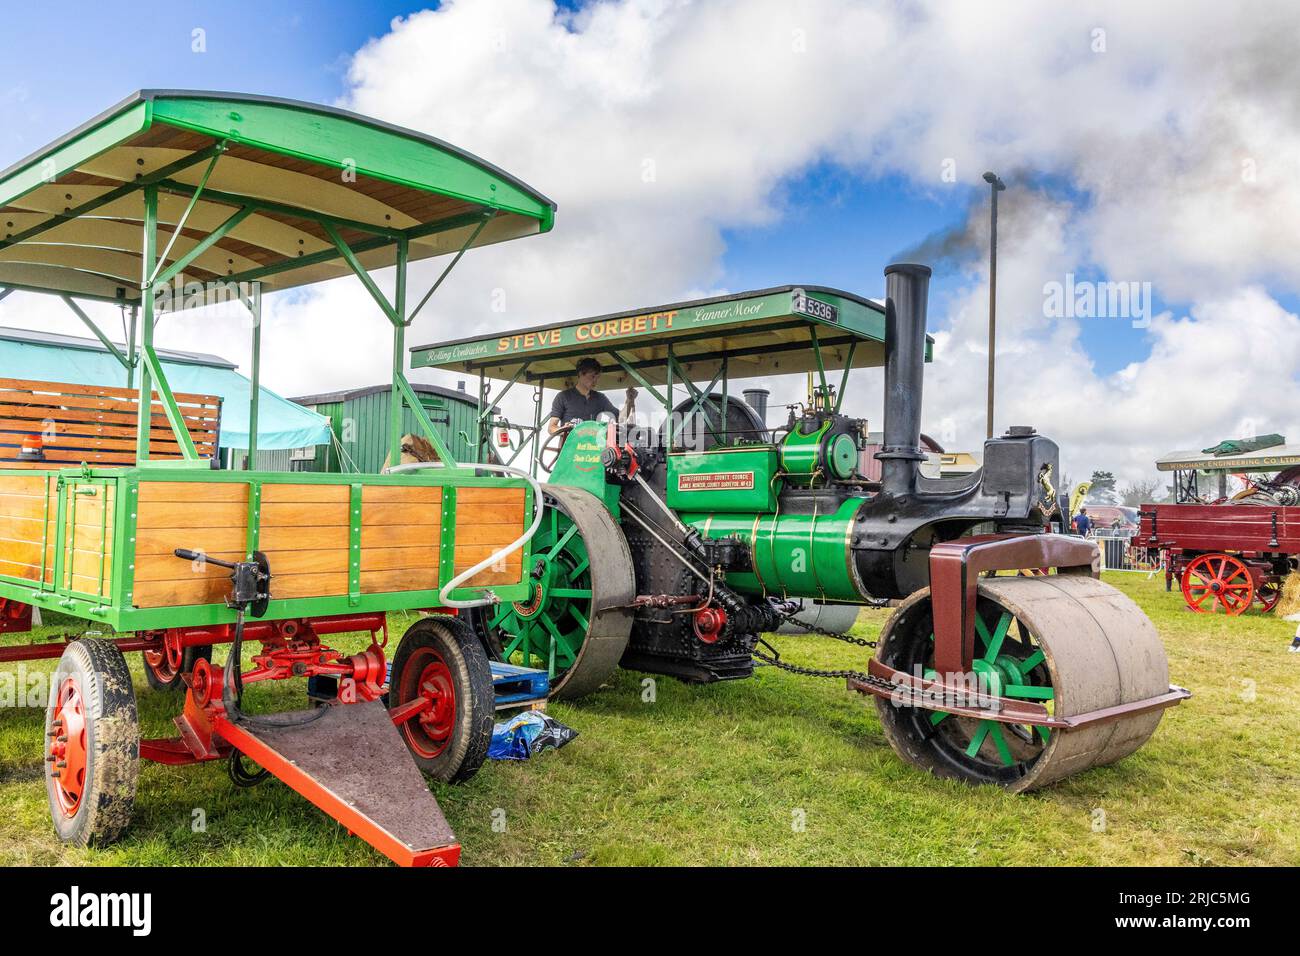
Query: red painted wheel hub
(68, 747)
(708, 623)
(431, 730)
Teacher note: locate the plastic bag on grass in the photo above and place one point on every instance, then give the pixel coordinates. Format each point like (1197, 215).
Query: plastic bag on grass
(526, 734)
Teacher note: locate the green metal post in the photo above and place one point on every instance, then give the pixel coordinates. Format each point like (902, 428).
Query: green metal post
(130, 347)
(254, 304)
(725, 408)
(399, 357)
(844, 379)
(537, 423)
(668, 401)
(149, 248)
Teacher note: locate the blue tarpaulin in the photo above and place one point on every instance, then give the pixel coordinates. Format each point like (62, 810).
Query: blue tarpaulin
(73, 360)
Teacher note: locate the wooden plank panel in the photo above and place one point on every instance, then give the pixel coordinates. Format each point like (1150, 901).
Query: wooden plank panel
(193, 491)
(214, 514)
(19, 569)
(71, 388)
(399, 536)
(23, 552)
(22, 506)
(21, 529)
(168, 567)
(489, 576)
(490, 496)
(285, 514)
(200, 590)
(399, 494)
(393, 559)
(212, 540)
(24, 485)
(489, 514)
(76, 430)
(400, 579)
(286, 586)
(495, 534)
(401, 514)
(289, 538)
(275, 492)
(69, 401)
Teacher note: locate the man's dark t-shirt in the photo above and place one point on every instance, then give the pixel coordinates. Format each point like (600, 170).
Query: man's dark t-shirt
(571, 403)
(1082, 524)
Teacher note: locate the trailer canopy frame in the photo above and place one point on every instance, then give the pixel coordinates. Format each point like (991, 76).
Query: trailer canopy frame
(280, 194)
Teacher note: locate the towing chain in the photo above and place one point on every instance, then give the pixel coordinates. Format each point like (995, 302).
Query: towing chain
(774, 658)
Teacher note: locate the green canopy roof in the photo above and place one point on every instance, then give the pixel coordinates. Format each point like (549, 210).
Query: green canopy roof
(763, 332)
(71, 214)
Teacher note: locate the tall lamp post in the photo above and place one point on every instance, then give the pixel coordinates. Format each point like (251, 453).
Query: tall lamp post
(996, 186)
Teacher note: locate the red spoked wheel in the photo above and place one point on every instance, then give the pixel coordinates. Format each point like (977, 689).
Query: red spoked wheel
(441, 696)
(1218, 582)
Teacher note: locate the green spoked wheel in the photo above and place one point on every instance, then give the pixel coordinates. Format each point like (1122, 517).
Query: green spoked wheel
(576, 620)
(1068, 642)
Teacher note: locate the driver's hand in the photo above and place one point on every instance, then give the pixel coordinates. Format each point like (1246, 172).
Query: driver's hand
(631, 392)
(573, 422)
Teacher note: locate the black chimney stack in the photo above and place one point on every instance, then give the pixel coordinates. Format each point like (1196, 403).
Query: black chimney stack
(907, 288)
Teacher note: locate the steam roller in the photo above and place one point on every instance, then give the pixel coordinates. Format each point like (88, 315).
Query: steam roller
(681, 550)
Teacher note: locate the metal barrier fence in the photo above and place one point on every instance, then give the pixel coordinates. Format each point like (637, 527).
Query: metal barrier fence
(1119, 553)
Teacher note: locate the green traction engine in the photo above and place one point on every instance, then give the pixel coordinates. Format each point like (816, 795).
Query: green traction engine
(678, 550)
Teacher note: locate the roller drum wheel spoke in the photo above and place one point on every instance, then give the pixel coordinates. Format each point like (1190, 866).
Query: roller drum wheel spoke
(576, 621)
(1068, 642)
(92, 744)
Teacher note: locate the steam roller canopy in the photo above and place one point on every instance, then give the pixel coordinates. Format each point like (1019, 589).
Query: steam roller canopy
(1067, 641)
(578, 618)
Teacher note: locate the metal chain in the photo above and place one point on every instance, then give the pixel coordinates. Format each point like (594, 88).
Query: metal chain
(774, 660)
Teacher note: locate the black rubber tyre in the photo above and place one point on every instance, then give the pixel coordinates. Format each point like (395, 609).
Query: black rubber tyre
(176, 682)
(92, 805)
(450, 742)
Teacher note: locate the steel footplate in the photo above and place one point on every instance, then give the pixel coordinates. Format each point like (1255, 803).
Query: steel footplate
(352, 764)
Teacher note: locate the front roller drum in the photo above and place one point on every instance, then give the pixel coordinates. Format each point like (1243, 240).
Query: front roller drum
(1066, 641)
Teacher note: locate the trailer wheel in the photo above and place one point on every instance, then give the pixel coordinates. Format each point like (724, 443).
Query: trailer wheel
(165, 667)
(92, 737)
(1214, 582)
(1067, 641)
(441, 659)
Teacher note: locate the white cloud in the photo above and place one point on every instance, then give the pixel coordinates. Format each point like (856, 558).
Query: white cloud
(657, 124)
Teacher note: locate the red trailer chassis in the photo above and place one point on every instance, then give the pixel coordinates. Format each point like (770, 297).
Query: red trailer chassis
(1225, 557)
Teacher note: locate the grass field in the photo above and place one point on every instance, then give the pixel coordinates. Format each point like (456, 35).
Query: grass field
(779, 770)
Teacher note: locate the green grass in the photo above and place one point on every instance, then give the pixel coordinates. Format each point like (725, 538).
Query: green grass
(720, 774)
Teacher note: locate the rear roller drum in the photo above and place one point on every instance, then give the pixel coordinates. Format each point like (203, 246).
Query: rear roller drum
(92, 744)
(576, 622)
(1069, 642)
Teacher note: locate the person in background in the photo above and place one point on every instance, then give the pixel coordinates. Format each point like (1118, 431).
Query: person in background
(1082, 523)
(581, 402)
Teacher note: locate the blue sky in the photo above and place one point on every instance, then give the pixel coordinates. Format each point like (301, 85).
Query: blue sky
(834, 228)
(1164, 143)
